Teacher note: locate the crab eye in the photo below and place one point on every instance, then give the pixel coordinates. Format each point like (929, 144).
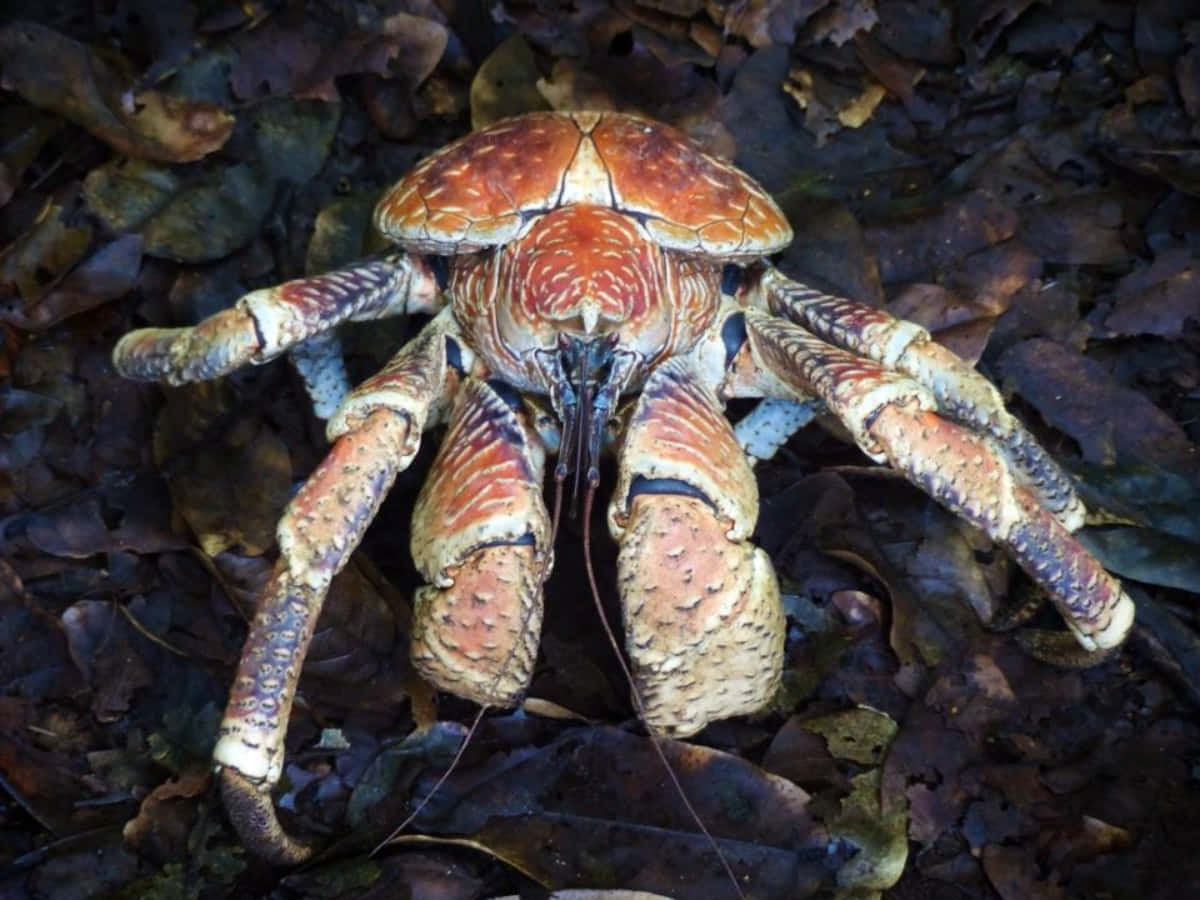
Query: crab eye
(731, 279)
(441, 270)
(733, 335)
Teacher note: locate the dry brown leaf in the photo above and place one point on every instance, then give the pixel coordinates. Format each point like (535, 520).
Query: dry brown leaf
(1079, 397)
(405, 50)
(52, 71)
(166, 816)
(917, 247)
(42, 255)
(1159, 299)
(110, 272)
(961, 324)
(766, 22)
(842, 20)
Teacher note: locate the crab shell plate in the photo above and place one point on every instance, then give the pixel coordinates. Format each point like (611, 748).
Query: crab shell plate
(490, 187)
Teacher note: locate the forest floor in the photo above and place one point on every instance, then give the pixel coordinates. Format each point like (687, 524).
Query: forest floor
(1021, 178)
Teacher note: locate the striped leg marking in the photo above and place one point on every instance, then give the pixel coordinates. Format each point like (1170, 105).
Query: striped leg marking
(481, 537)
(896, 419)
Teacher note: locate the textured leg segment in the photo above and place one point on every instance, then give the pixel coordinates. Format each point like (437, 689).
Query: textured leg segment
(962, 393)
(319, 530)
(414, 381)
(265, 323)
(962, 471)
(704, 627)
(481, 536)
(893, 418)
(319, 362)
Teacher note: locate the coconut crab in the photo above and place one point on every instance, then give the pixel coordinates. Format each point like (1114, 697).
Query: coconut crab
(575, 269)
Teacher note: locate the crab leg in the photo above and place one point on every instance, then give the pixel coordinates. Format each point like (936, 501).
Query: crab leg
(894, 418)
(704, 625)
(962, 393)
(481, 536)
(265, 323)
(376, 434)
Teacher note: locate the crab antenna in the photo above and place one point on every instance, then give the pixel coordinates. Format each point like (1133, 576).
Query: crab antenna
(555, 519)
(639, 706)
(437, 786)
(581, 429)
(586, 384)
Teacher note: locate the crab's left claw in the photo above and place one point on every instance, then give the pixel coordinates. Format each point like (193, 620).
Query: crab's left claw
(704, 625)
(481, 537)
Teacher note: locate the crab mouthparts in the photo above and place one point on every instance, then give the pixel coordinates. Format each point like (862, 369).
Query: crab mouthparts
(588, 393)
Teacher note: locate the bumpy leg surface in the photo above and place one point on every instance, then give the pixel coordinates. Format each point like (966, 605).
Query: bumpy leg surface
(962, 393)
(265, 323)
(376, 438)
(481, 536)
(704, 626)
(895, 418)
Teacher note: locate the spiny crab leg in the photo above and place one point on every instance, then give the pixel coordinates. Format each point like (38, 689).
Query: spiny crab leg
(962, 393)
(265, 323)
(894, 418)
(481, 536)
(376, 433)
(704, 625)
(321, 367)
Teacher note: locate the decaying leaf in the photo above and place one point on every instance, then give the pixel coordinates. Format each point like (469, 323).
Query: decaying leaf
(880, 835)
(1077, 396)
(506, 83)
(1162, 299)
(52, 71)
(43, 255)
(542, 809)
(239, 473)
(108, 273)
(861, 735)
(208, 213)
(195, 219)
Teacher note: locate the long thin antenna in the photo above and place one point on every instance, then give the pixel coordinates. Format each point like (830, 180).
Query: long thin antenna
(458, 755)
(655, 741)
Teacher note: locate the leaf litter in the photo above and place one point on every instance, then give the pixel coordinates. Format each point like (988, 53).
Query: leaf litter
(1021, 178)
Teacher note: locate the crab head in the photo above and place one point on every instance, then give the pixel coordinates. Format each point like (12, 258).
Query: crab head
(580, 308)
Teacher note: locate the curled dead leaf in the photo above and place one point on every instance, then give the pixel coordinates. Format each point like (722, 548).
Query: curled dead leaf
(110, 272)
(1078, 396)
(57, 73)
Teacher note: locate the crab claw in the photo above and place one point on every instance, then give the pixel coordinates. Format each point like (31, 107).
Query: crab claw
(481, 536)
(704, 626)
